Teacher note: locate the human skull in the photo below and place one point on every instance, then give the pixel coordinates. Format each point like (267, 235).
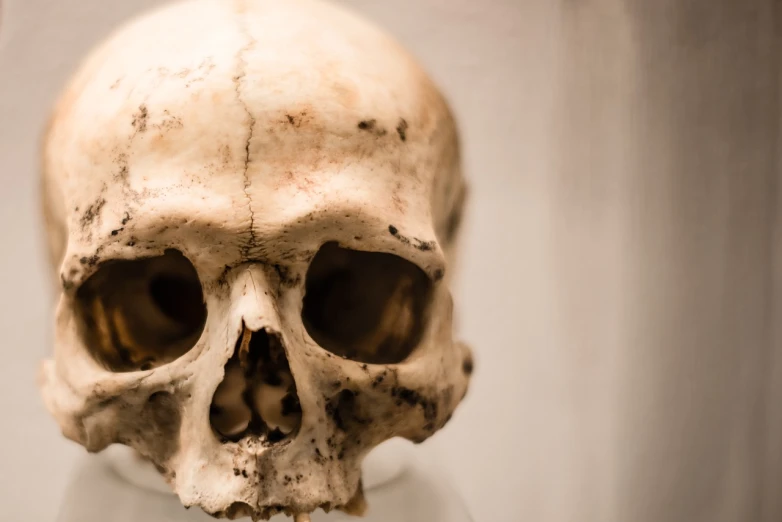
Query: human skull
(251, 206)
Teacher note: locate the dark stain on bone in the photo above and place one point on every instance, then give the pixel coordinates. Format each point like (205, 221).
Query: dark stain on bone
(125, 220)
(393, 231)
(92, 213)
(401, 129)
(121, 161)
(90, 261)
(439, 274)
(140, 118)
(319, 458)
(423, 246)
(169, 122)
(413, 398)
(372, 126)
(286, 279)
(467, 365)
(343, 410)
(420, 244)
(297, 120)
(378, 380)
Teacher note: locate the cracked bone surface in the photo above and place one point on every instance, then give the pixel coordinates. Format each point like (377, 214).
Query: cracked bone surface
(251, 207)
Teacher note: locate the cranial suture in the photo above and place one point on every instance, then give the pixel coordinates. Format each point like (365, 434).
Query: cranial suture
(251, 208)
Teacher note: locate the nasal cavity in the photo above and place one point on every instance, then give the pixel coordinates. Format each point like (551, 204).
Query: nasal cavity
(257, 397)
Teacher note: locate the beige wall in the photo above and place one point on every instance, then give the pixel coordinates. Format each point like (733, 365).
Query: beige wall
(619, 279)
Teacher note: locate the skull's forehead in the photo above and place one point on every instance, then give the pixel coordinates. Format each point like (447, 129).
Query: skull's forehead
(240, 114)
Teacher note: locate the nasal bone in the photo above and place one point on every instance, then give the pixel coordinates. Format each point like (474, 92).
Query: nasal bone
(253, 297)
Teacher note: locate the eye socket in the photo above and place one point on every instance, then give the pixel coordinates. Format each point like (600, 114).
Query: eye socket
(369, 307)
(141, 314)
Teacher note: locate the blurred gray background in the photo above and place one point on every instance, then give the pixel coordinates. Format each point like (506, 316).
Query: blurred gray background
(620, 275)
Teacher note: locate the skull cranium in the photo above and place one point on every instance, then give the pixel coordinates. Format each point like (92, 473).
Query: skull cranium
(251, 206)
